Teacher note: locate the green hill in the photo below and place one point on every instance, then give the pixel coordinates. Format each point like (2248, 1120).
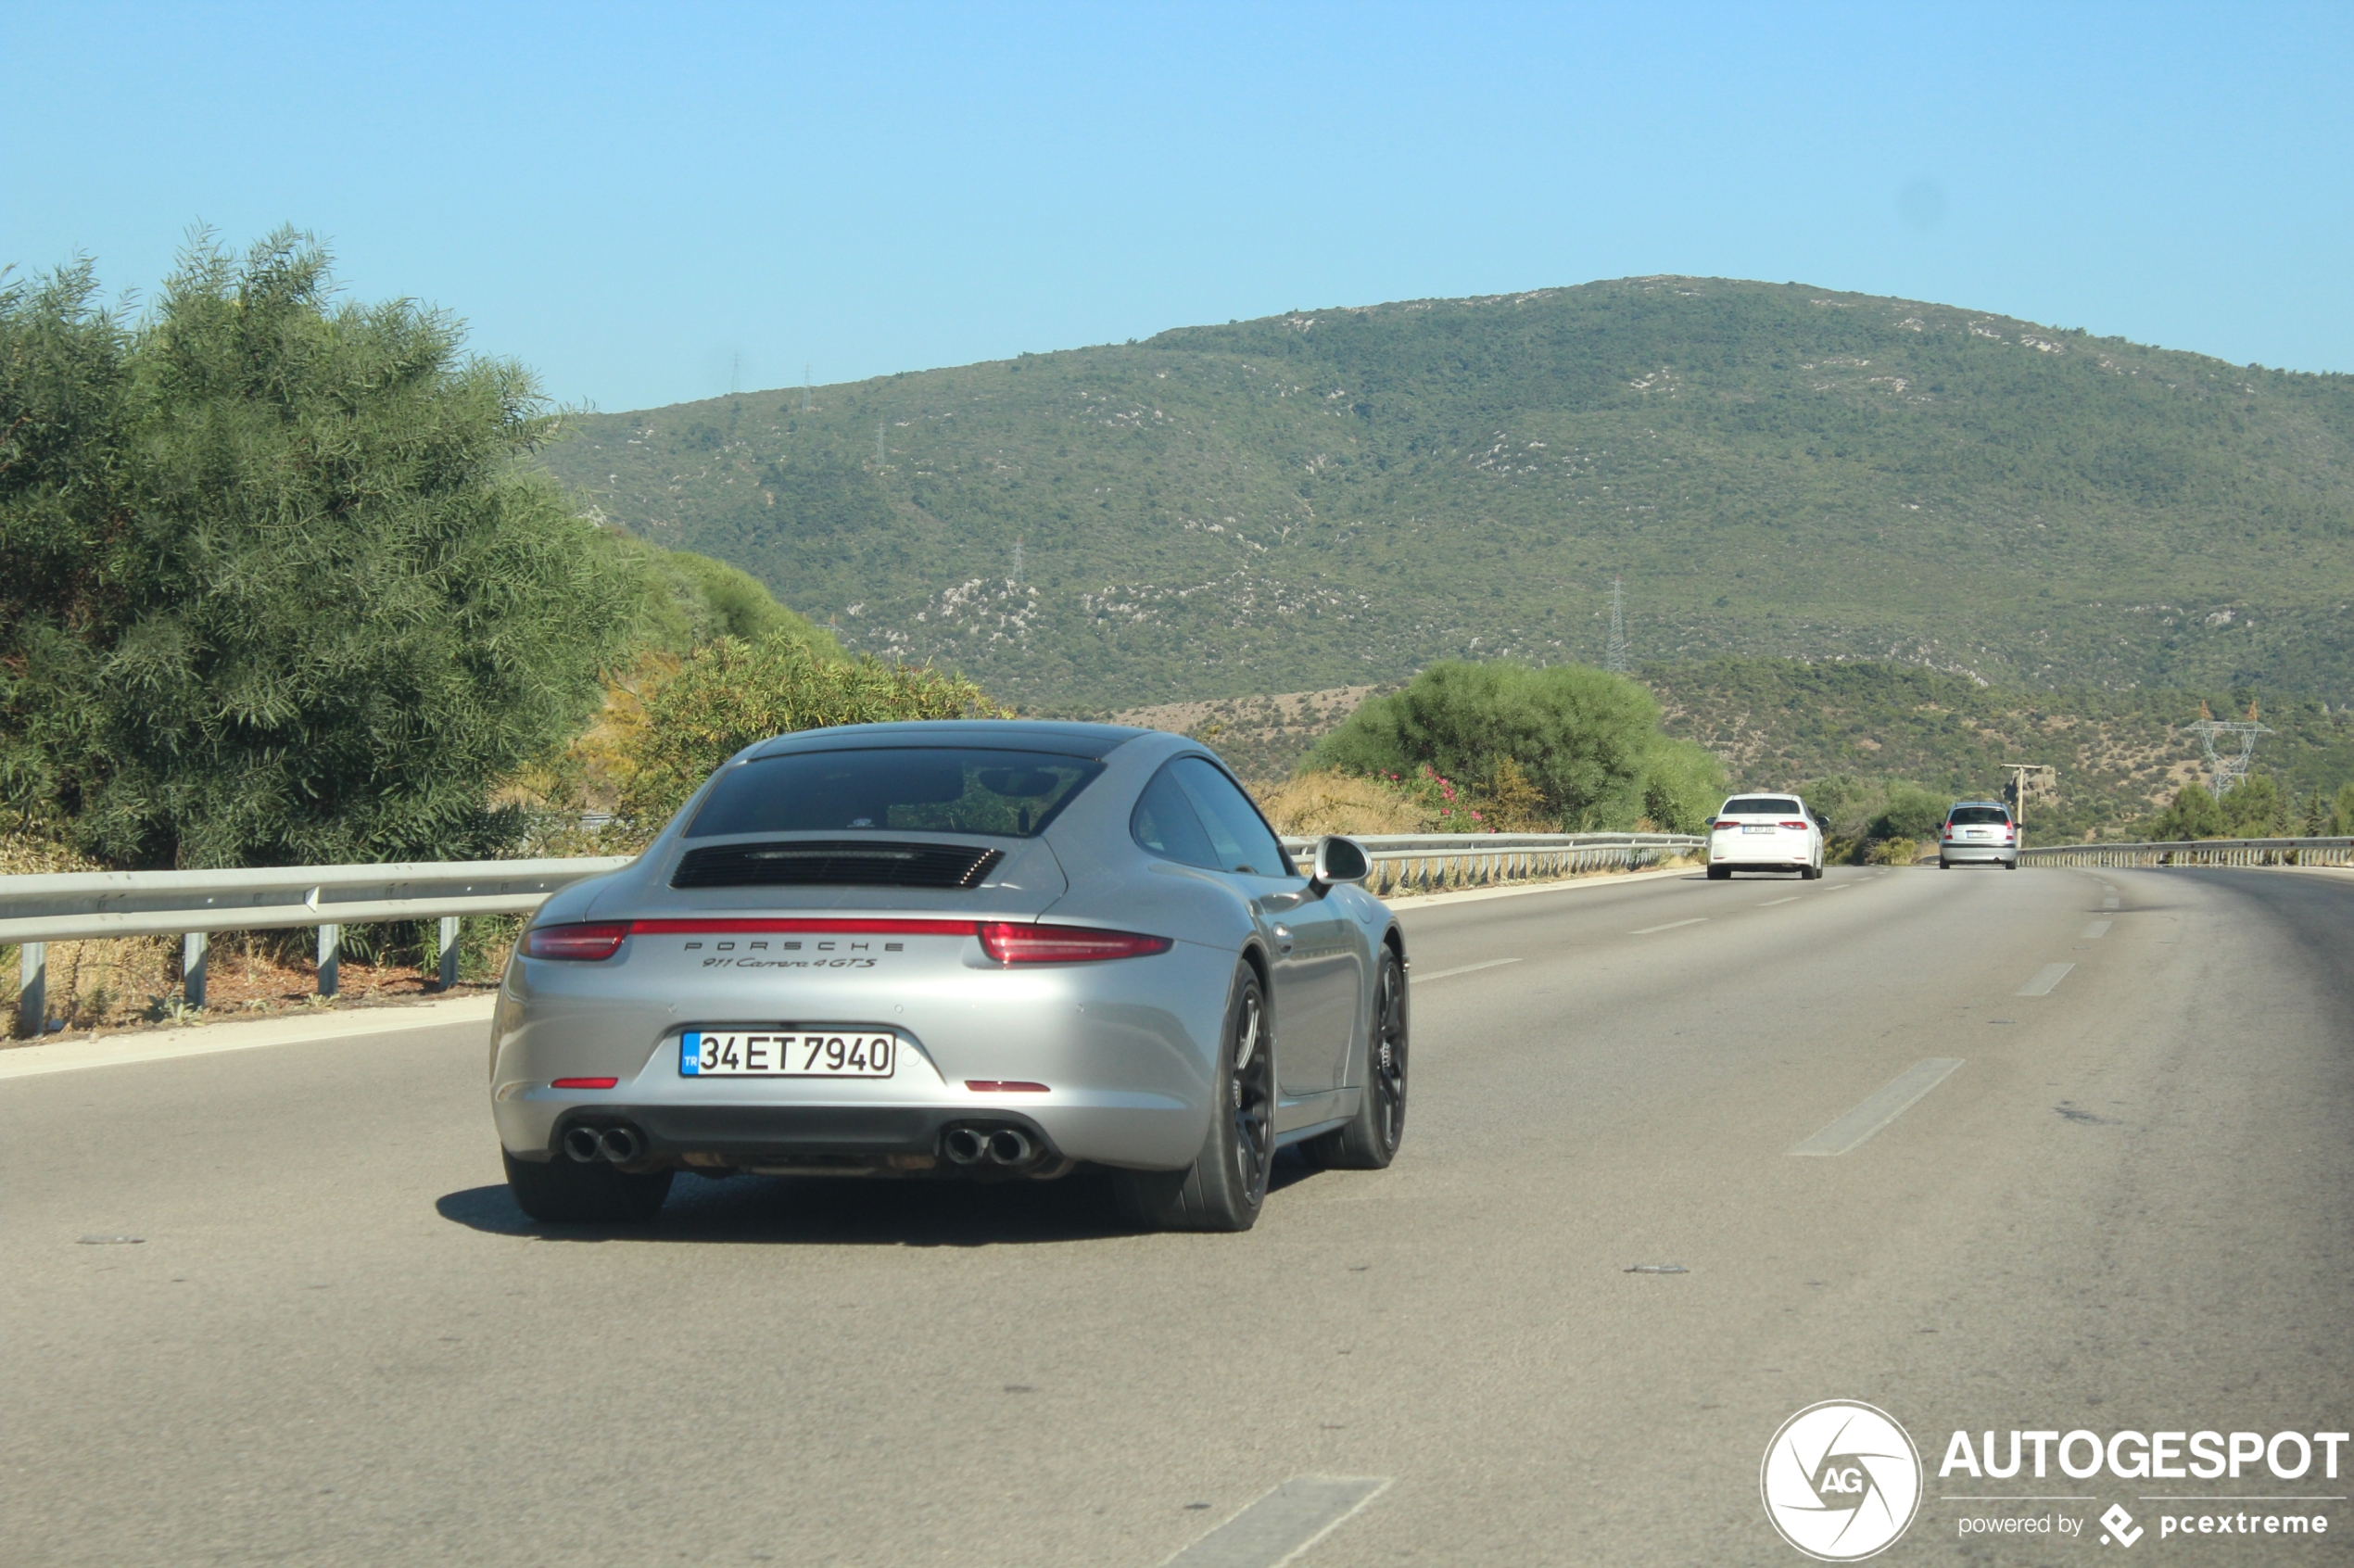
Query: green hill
(1338, 497)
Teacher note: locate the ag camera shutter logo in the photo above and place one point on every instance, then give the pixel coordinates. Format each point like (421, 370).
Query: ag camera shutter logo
(1841, 1480)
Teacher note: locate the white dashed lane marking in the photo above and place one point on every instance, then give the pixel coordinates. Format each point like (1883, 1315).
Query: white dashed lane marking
(1464, 969)
(1771, 901)
(1670, 925)
(2097, 929)
(1283, 1525)
(1858, 1125)
(2045, 978)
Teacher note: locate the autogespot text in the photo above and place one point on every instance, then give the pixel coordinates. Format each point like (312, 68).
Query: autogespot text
(2156, 1456)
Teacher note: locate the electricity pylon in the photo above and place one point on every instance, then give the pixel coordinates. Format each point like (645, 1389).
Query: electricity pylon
(2224, 766)
(1615, 655)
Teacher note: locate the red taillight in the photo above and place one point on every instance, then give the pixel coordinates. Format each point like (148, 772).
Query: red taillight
(1011, 943)
(591, 943)
(1724, 827)
(1004, 1086)
(584, 1082)
(860, 924)
(1800, 826)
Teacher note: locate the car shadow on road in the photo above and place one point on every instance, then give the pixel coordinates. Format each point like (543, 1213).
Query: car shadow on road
(819, 1212)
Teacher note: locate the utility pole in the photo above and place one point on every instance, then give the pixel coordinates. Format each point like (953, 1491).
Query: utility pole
(2024, 775)
(878, 446)
(2222, 766)
(1016, 560)
(1615, 656)
(805, 386)
(735, 373)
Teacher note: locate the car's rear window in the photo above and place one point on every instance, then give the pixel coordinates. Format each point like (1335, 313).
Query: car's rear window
(1979, 816)
(1759, 806)
(934, 790)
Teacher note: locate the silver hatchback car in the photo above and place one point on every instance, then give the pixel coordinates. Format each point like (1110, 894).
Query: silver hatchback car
(1978, 832)
(982, 949)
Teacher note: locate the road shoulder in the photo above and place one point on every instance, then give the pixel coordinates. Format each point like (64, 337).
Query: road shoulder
(202, 1040)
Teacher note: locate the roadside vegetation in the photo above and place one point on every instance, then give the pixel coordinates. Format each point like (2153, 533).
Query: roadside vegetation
(1506, 747)
(281, 583)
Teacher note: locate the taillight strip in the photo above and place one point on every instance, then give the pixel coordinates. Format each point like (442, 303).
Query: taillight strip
(850, 925)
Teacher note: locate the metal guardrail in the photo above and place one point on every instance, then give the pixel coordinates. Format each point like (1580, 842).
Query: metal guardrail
(93, 906)
(2197, 852)
(97, 906)
(1427, 862)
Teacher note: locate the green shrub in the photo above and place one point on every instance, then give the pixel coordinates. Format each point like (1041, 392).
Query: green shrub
(2194, 814)
(1910, 812)
(274, 584)
(730, 693)
(1683, 785)
(1582, 737)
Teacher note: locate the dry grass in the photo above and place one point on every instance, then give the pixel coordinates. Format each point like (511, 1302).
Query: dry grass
(133, 980)
(1336, 802)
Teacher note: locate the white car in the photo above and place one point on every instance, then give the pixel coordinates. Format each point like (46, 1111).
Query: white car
(1765, 833)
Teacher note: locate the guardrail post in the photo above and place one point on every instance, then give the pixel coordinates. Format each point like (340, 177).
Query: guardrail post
(450, 932)
(32, 991)
(330, 957)
(192, 956)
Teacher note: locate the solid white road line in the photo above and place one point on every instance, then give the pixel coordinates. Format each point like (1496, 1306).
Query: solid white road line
(2045, 978)
(1670, 925)
(163, 1045)
(1857, 1126)
(2097, 929)
(1284, 1523)
(1462, 969)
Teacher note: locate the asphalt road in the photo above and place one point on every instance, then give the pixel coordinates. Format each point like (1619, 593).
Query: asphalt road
(2128, 1207)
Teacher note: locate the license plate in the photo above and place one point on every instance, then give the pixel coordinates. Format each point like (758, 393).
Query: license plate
(1757, 827)
(790, 1053)
(1976, 833)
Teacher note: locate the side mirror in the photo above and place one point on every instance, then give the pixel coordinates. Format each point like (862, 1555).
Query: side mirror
(1339, 860)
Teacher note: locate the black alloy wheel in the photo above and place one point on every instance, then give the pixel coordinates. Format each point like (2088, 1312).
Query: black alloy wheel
(1369, 1141)
(1226, 1185)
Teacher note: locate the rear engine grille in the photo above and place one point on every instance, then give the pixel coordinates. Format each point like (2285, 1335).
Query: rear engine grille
(834, 863)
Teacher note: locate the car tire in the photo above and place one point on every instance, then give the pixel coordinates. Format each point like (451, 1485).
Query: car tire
(1370, 1140)
(565, 1191)
(1227, 1186)
(1720, 873)
(1943, 864)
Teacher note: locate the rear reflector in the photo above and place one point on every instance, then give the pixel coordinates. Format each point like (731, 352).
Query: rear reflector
(1011, 943)
(589, 942)
(584, 1082)
(1003, 1086)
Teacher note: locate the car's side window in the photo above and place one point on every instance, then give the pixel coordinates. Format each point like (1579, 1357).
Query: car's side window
(1236, 830)
(1166, 823)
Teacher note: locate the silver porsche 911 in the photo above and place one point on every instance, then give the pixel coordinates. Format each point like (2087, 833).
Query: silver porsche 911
(976, 949)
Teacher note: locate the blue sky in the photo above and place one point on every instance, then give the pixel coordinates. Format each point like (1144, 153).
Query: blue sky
(642, 201)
